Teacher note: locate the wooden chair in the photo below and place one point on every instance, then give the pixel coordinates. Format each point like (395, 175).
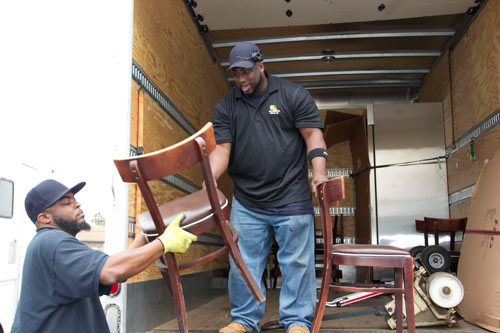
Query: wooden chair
(435, 257)
(204, 210)
(330, 193)
(319, 249)
(441, 225)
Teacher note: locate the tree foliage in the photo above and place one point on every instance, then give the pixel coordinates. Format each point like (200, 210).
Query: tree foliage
(98, 219)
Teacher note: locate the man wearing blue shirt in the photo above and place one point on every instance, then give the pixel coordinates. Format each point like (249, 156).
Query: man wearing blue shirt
(62, 277)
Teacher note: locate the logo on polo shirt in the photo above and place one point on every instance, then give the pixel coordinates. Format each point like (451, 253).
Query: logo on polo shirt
(273, 109)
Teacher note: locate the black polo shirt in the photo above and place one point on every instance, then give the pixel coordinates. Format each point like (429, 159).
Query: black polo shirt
(268, 162)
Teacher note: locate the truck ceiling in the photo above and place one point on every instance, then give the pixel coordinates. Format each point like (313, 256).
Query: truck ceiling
(354, 47)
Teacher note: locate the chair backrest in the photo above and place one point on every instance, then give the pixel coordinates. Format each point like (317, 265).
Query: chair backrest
(170, 160)
(329, 194)
(438, 225)
(432, 224)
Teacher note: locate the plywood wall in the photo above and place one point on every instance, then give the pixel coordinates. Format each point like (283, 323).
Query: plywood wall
(169, 49)
(339, 157)
(475, 72)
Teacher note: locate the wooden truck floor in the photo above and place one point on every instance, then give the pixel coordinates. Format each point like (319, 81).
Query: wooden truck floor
(213, 315)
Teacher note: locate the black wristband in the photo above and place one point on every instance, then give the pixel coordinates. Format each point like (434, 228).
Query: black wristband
(317, 152)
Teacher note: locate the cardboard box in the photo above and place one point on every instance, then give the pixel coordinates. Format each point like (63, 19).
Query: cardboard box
(341, 127)
(478, 268)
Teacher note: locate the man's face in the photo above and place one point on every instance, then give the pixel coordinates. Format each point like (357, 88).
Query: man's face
(249, 80)
(67, 215)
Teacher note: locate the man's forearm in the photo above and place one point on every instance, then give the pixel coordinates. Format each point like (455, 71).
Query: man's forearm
(319, 166)
(122, 265)
(219, 159)
(314, 140)
(140, 240)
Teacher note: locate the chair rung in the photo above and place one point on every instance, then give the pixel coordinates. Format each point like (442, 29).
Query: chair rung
(387, 290)
(199, 261)
(365, 285)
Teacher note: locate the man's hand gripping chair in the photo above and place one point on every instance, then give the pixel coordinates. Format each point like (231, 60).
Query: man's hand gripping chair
(204, 210)
(329, 194)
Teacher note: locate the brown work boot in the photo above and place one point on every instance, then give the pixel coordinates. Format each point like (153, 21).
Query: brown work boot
(298, 329)
(234, 327)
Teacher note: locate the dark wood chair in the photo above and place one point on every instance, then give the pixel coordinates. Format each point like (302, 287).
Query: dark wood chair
(329, 194)
(441, 225)
(436, 258)
(319, 249)
(204, 210)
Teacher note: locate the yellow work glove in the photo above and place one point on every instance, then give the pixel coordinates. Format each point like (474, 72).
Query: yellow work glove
(174, 239)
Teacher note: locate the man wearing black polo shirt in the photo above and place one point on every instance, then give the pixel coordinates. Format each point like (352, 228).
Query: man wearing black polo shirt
(266, 129)
(63, 278)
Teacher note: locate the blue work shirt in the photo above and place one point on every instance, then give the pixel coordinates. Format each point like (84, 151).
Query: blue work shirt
(60, 287)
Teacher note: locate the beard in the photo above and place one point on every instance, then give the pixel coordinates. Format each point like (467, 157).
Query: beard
(72, 227)
(256, 86)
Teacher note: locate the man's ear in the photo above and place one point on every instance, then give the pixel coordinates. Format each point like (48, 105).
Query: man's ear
(44, 218)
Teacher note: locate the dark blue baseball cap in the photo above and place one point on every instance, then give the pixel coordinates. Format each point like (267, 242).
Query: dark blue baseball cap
(45, 194)
(242, 55)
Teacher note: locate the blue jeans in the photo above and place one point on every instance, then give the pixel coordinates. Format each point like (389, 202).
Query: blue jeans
(295, 238)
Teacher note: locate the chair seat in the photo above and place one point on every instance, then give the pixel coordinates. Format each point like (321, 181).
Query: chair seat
(361, 255)
(195, 206)
(368, 250)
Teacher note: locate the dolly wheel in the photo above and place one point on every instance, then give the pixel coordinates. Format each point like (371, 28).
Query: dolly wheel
(436, 259)
(416, 251)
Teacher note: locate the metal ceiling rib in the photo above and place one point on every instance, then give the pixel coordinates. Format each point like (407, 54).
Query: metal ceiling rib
(353, 72)
(358, 72)
(400, 73)
(348, 55)
(386, 83)
(341, 35)
(369, 81)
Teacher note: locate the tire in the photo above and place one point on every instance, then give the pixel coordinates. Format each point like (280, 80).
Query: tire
(416, 251)
(436, 258)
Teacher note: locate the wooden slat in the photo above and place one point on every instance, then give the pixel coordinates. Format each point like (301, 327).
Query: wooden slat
(462, 170)
(476, 94)
(168, 47)
(460, 209)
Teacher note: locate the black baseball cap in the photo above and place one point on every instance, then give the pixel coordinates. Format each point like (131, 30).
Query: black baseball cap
(242, 55)
(45, 194)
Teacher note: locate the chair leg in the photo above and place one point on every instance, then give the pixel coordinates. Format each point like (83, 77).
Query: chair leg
(409, 300)
(265, 276)
(242, 267)
(166, 278)
(172, 278)
(323, 295)
(398, 281)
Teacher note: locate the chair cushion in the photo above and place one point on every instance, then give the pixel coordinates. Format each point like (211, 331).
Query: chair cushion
(368, 249)
(195, 206)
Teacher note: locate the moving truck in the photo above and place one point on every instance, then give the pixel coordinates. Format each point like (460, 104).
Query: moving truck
(83, 83)
(14, 233)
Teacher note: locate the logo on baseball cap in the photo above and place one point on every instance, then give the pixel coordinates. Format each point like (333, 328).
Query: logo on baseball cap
(244, 55)
(45, 194)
